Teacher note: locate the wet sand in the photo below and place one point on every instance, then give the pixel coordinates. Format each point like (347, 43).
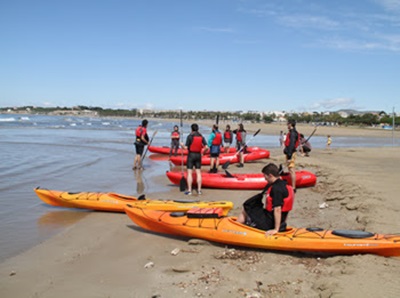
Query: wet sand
(105, 254)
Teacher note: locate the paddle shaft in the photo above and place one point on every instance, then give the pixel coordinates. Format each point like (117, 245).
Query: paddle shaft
(147, 148)
(225, 165)
(315, 129)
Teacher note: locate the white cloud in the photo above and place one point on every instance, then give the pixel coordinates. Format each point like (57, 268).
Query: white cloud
(308, 21)
(336, 103)
(390, 5)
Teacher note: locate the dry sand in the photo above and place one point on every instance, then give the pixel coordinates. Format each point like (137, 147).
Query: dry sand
(105, 254)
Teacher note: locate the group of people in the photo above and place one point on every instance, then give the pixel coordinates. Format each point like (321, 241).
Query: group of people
(279, 196)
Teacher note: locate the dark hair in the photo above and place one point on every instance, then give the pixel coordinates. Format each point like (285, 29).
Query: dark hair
(292, 122)
(272, 169)
(176, 126)
(144, 122)
(228, 126)
(215, 127)
(194, 127)
(241, 127)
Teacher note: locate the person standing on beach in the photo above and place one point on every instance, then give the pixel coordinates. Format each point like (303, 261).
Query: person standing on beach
(278, 202)
(141, 140)
(328, 142)
(228, 138)
(281, 139)
(291, 143)
(240, 143)
(195, 143)
(214, 143)
(175, 136)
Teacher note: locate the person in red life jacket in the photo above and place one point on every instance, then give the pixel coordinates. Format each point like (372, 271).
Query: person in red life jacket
(272, 216)
(175, 136)
(228, 138)
(214, 143)
(291, 143)
(240, 143)
(141, 140)
(196, 144)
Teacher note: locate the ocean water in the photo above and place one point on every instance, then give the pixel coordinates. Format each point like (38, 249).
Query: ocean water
(82, 154)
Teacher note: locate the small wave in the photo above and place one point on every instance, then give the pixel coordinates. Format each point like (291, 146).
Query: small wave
(11, 119)
(106, 123)
(72, 124)
(24, 119)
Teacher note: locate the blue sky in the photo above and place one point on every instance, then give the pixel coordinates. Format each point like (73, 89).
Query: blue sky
(293, 55)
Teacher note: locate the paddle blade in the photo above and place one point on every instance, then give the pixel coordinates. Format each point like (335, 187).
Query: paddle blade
(182, 184)
(256, 133)
(217, 119)
(226, 165)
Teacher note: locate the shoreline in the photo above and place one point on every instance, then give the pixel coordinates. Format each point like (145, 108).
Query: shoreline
(104, 254)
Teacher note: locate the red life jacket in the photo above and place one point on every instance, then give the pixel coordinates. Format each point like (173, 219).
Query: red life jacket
(287, 141)
(239, 136)
(197, 143)
(175, 134)
(227, 135)
(287, 202)
(218, 139)
(139, 131)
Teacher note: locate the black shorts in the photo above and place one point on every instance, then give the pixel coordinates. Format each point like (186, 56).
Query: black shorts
(139, 148)
(193, 160)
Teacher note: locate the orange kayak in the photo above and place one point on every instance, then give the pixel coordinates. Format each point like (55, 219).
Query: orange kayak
(115, 202)
(213, 226)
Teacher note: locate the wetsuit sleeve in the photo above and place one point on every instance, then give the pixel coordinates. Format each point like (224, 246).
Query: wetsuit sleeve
(189, 140)
(292, 142)
(211, 139)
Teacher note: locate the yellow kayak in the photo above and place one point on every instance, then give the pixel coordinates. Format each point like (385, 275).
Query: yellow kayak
(115, 202)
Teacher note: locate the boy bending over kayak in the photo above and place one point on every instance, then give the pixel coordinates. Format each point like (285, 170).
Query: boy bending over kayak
(278, 202)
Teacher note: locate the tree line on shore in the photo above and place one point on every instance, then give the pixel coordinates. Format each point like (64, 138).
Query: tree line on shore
(332, 118)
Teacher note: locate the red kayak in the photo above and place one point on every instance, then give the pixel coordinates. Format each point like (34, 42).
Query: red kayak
(225, 157)
(166, 149)
(251, 181)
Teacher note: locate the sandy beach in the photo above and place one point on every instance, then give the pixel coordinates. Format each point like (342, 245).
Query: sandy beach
(105, 254)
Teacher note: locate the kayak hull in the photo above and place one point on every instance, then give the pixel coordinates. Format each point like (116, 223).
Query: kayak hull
(227, 230)
(114, 202)
(250, 181)
(225, 157)
(166, 149)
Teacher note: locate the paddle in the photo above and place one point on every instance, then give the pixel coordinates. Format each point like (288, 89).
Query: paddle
(315, 129)
(147, 148)
(216, 121)
(226, 165)
(182, 182)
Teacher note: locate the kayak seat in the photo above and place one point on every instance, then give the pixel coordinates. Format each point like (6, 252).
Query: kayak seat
(352, 234)
(205, 213)
(314, 229)
(177, 214)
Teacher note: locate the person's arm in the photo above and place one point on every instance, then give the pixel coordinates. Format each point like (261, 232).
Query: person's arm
(143, 137)
(292, 142)
(211, 139)
(277, 219)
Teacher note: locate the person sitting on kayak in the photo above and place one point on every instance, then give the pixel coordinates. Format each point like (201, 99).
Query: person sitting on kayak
(228, 138)
(175, 136)
(279, 201)
(195, 143)
(214, 143)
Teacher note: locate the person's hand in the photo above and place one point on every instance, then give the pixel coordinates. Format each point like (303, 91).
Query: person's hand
(271, 232)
